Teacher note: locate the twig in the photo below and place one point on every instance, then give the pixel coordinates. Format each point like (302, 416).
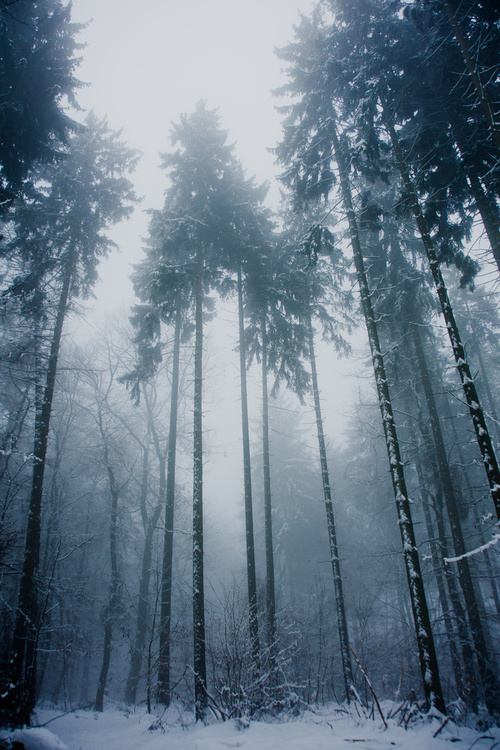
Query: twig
(484, 737)
(445, 722)
(363, 672)
(60, 716)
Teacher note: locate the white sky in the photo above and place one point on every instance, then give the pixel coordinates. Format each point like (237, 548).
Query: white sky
(147, 62)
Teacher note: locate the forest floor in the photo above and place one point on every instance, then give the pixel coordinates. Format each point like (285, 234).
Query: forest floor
(326, 729)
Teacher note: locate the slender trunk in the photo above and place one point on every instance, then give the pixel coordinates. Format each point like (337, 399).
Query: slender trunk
(472, 69)
(164, 696)
(492, 689)
(469, 388)
(290, 552)
(84, 680)
(143, 605)
(114, 589)
(200, 668)
(470, 686)
(106, 659)
(134, 668)
(443, 599)
(21, 698)
(425, 641)
(467, 682)
(268, 513)
(330, 519)
(247, 477)
(149, 672)
(487, 389)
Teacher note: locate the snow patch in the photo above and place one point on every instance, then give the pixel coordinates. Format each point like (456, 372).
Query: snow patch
(322, 728)
(33, 739)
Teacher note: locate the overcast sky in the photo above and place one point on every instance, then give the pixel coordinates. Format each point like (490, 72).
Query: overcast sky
(147, 62)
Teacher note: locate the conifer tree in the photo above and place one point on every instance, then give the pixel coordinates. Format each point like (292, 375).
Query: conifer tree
(316, 296)
(309, 146)
(60, 232)
(210, 223)
(276, 335)
(38, 59)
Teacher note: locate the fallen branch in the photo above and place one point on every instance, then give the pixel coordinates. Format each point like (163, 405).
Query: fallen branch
(445, 722)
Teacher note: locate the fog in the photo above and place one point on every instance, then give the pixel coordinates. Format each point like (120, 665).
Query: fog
(164, 546)
(144, 69)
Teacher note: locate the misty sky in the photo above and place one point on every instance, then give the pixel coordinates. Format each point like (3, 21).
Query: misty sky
(146, 63)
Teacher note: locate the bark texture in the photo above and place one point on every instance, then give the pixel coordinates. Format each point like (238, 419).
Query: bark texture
(425, 640)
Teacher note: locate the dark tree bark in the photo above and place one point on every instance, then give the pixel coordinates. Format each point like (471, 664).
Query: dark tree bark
(487, 389)
(481, 93)
(21, 699)
(469, 665)
(440, 583)
(200, 668)
(247, 477)
(268, 511)
(491, 687)
(469, 388)
(332, 533)
(425, 641)
(137, 650)
(466, 682)
(114, 588)
(164, 694)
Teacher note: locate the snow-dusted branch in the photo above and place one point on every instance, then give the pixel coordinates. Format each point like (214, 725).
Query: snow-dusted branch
(476, 551)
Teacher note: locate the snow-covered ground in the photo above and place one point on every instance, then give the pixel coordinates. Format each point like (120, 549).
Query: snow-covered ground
(328, 729)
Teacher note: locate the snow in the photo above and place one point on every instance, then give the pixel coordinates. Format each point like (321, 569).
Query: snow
(473, 552)
(331, 728)
(35, 739)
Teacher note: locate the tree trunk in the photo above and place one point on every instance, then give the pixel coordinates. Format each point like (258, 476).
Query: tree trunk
(487, 389)
(21, 699)
(164, 695)
(443, 599)
(137, 650)
(268, 513)
(469, 388)
(114, 589)
(477, 520)
(247, 477)
(491, 687)
(469, 663)
(425, 641)
(200, 668)
(467, 680)
(481, 92)
(330, 519)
